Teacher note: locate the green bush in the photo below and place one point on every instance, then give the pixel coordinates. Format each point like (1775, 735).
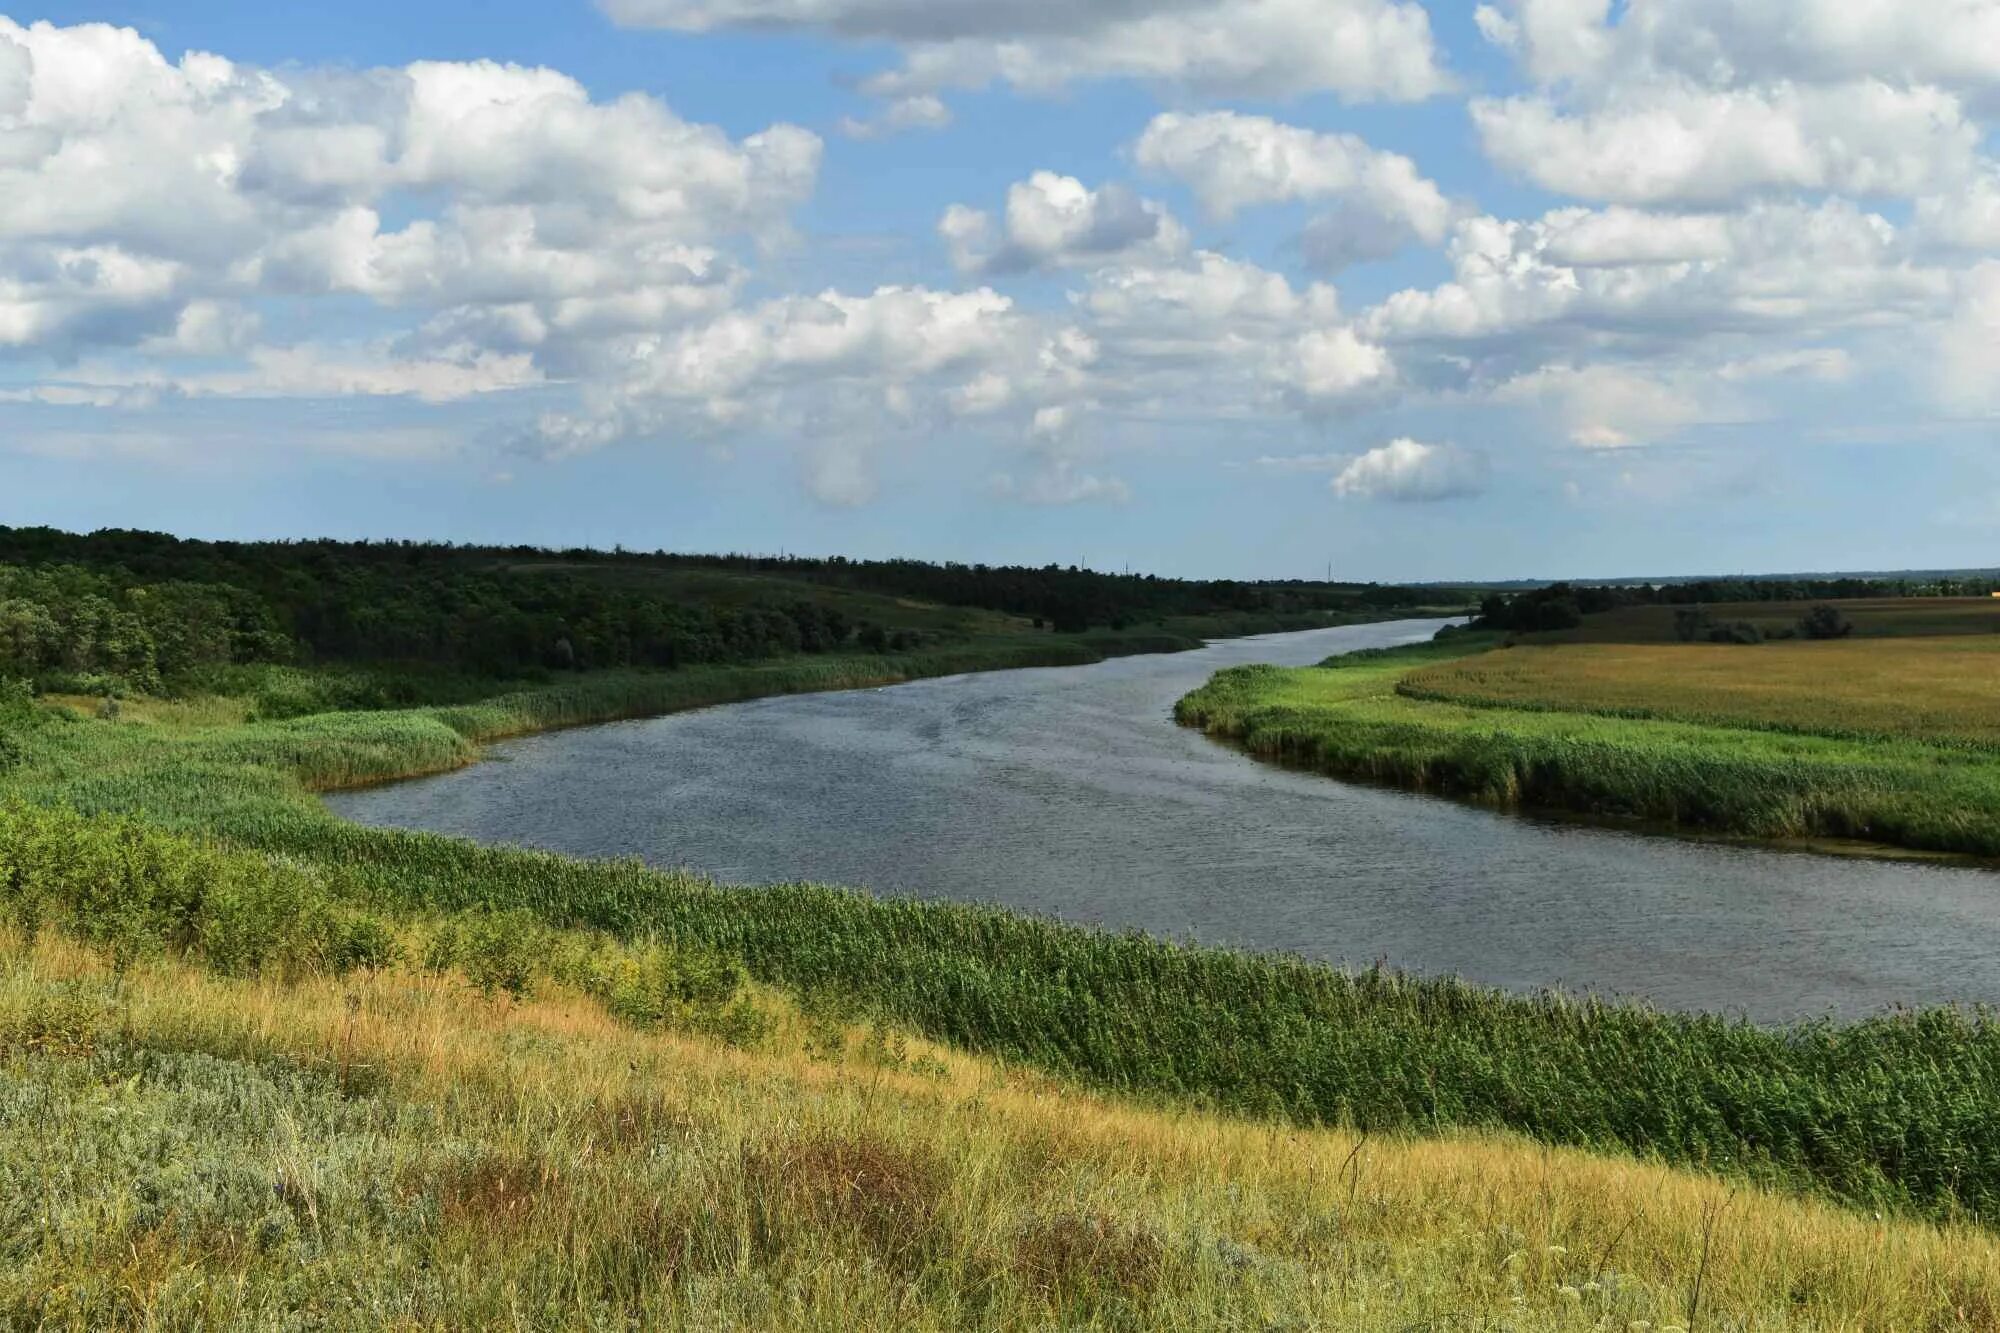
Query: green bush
(136, 891)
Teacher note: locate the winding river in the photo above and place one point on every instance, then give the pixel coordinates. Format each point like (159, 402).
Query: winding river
(1071, 792)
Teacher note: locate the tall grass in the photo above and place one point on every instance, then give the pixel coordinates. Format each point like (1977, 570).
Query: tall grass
(1894, 1112)
(183, 1150)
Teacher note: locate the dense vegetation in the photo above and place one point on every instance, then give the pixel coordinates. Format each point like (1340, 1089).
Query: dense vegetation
(1562, 606)
(137, 610)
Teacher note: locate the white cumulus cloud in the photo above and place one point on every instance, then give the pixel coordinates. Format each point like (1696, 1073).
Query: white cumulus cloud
(1055, 221)
(1410, 471)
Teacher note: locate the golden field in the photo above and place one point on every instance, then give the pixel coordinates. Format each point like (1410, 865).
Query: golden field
(1934, 689)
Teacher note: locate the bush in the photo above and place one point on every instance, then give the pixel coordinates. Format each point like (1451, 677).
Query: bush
(136, 891)
(1736, 631)
(497, 951)
(1691, 623)
(1825, 622)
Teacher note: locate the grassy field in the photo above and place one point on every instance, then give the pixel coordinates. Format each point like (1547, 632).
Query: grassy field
(395, 1150)
(1933, 690)
(1886, 739)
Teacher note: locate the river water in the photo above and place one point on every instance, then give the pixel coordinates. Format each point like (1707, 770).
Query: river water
(1071, 792)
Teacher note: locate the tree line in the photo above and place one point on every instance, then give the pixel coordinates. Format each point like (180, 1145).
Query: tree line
(1564, 605)
(129, 608)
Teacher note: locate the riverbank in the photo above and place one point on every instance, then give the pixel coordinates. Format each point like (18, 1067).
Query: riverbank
(1518, 728)
(395, 1148)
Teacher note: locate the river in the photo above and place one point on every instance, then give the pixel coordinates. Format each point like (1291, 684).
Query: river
(1071, 792)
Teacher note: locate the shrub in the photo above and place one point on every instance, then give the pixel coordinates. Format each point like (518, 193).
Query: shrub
(1690, 623)
(1825, 622)
(497, 951)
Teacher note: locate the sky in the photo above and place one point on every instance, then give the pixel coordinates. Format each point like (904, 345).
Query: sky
(1244, 288)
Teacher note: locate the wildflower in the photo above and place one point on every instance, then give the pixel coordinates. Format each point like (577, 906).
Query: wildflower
(1569, 1293)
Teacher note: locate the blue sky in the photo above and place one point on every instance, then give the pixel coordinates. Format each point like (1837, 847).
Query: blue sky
(1231, 287)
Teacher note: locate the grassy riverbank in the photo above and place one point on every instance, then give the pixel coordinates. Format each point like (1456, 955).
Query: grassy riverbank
(1888, 741)
(395, 1150)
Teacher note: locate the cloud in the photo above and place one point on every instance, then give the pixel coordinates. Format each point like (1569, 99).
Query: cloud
(1955, 43)
(1661, 280)
(1966, 218)
(1407, 471)
(1060, 482)
(1216, 336)
(1359, 49)
(519, 198)
(1328, 366)
(1968, 345)
(1054, 221)
(1606, 406)
(1292, 463)
(1824, 365)
(1232, 162)
(919, 111)
(811, 366)
(1685, 145)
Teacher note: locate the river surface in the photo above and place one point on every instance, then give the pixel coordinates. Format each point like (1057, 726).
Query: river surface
(1071, 792)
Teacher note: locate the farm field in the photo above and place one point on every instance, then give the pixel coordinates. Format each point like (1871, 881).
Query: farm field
(1926, 689)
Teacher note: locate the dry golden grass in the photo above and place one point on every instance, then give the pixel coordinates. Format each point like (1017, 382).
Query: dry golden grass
(1929, 689)
(564, 1170)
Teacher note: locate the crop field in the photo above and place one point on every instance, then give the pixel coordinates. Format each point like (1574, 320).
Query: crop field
(1941, 689)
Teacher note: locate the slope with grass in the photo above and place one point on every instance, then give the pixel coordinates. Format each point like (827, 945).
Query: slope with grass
(1887, 740)
(396, 1150)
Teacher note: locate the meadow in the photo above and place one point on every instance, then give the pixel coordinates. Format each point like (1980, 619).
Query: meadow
(1935, 690)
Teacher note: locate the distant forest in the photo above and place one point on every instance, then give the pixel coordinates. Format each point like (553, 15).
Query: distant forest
(1563, 605)
(129, 608)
